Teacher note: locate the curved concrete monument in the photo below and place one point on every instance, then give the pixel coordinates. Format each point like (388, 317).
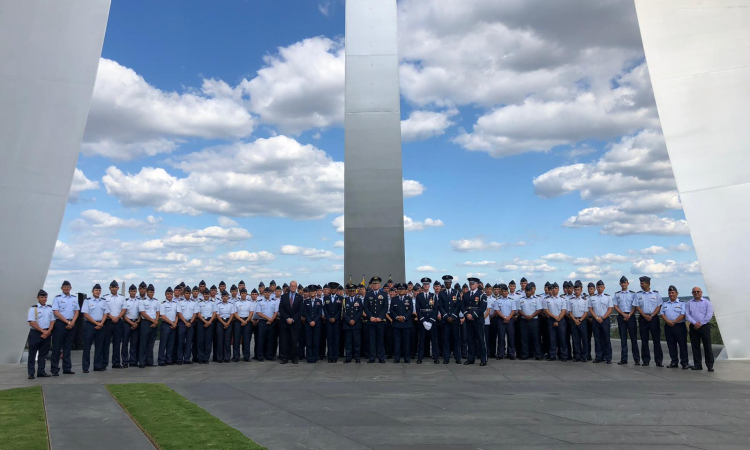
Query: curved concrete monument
(698, 54)
(49, 54)
(373, 195)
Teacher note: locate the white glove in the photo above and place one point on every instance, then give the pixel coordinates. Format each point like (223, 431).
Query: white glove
(427, 325)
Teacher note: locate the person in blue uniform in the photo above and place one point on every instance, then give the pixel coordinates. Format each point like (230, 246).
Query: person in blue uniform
(66, 309)
(675, 331)
(648, 306)
(449, 303)
(112, 326)
(400, 313)
(206, 310)
(556, 308)
(624, 302)
(376, 308)
(41, 320)
(186, 317)
(428, 314)
(474, 306)
(578, 310)
(312, 312)
(168, 316)
(600, 307)
(148, 309)
(94, 310)
(332, 313)
(130, 332)
(529, 308)
(242, 328)
(352, 324)
(225, 315)
(506, 310)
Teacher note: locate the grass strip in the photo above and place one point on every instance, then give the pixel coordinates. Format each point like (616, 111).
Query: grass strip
(173, 422)
(23, 423)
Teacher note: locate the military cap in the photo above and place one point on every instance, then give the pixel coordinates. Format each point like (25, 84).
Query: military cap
(268, 289)
(530, 286)
(241, 282)
(278, 288)
(623, 279)
(672, 288)
(243, 291)
(42, 293)
(375, 279)
(151, 288)
(351, 286)
(547, 284)
(436, 283)
(254, 291)
(182, 284)
(464, 286)
(97, 286)
(196, 288)
(425, 280)
(213, 286)
(233, 288)
(578, 284)
(488, 285)
(417, 286)
(169, 289)
(362, 283)
(261, 285)
(65, 283)
(565, 284)
(272, 283)
(114, 284)
(222, 283)
(390, 280)
(132, 288)
(590, 284)
(554, 285)
(473, 280)
(645, 279)
(600, 283)
(410, 284)
(392, 288)
(447, 278)
(512, 282)
(142, 285)
(224, 292)
(503, 287)
(523, 279)
(286, 285)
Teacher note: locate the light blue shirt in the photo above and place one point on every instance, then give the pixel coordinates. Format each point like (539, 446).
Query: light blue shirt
(625, 300)
(149, 306)
(578, 306)
(673, 309)
(206, 308)
(186, 308)
(530, 305)
(600, 303)
(225, 310)
(42, 315)
(66, 304)
(131, 305)
(168, 309)
(245, 308)
(506, 305)
(114, 301)
(491, 301)
(556, 305)
(97, 308)
(649, 301)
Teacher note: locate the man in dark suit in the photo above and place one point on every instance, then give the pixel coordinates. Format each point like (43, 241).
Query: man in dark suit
(290, 311)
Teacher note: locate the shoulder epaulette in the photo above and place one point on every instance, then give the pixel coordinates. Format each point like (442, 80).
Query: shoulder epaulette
(640, 292)
(631, 292)
(607, 295)
(655, 291)
(58, 295)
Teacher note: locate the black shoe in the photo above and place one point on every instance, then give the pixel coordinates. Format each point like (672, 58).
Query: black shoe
(70, 372)
(672, 366)
(141, 366)
(637, 363)
(381, 361)
(98, 370)
(482, 364)
(468, 363)
(85, 371)
(697, 368)
(498, 357)
(419, 361)
(396, 361)
(446, 362)
(575, 360)
(644, 364)
(436, 361)
(347, 361)
(597, 361)
(659, 365)
(295, 361)
(370, 361)
(357, 361)
(538, 358)
(407, 361)
(260, 360)
(246, 359)
(552, 359)
(710, 369)
(685, 367)
(55, 374)
(116, 366)
(622, 363)
(512, 358)
(31, 377)
(609, 361)
(283, 361)
(186, 362)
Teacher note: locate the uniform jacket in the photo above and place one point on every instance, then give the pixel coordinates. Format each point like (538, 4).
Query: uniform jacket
(376, 305)
(332, 307)
(312, 311)
(475, 305)
(289, 311)
(427, 307)
(353, 307)
(449, 304)
(401, 306)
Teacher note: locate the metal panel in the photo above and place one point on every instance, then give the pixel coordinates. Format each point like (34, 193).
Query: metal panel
(373, 207)
(698, 52)
(49, 54)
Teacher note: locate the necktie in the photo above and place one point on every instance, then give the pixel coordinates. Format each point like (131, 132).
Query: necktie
(291, 299)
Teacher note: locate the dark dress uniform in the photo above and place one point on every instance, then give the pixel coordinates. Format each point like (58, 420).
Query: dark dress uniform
(475, 305)
(332, 311)
(427, 312)
(376, 306)
(449, 305)
(401, 306)
(312, 311)
(352, 311)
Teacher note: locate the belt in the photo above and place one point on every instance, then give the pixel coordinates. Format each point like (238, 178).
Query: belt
(243, 318)
(471, 308)
(427, 310)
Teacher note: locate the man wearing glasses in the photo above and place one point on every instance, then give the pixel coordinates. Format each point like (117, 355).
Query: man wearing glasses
(699, 313)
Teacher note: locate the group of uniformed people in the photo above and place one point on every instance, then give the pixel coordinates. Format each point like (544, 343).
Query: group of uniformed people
(400, 321)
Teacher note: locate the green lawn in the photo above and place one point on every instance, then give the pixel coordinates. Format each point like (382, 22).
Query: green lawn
(173, 422)
(23, 425)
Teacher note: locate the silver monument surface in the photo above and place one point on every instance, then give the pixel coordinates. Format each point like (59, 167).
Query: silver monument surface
(698, 54)
(374, 202)
(49, 54)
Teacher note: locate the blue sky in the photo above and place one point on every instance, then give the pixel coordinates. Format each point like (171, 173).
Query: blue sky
(532, 146)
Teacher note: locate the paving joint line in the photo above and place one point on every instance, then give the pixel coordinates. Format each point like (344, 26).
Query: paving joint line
(46, 421)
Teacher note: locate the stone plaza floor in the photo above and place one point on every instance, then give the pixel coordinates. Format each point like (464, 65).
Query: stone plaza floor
(507, 404)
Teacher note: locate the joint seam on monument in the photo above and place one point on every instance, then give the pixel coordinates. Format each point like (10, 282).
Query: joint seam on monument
(698, 74)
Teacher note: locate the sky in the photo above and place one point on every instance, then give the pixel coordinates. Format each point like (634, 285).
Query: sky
(531, 147)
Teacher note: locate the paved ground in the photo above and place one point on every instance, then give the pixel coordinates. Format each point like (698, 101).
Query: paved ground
(508, 404)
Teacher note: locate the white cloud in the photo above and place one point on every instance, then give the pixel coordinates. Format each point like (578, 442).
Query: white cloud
(338, 224)
(528, 267)
(558, 257)
(227, 222)
(311, 253)
(667, 268)
(429, 269)
(412, 225)
(654, 250)
(338, 244)
(100, 219)
(412, 188)
(131, 118)
(301, 87)
(478, 263)
(479, 244)
(325, 7)
(423, 125)
(63, 251)
(680, 248)
(254, 257)
(80, 184)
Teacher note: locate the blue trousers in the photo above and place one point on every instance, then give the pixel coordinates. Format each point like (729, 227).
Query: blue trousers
(242, 335)
(184, 341)
(62, 340)
(312, 339)
(506, 330)
(205, 341)
(475, 338)
(625, 328)
(166, 343)
(113, 337)
(602, 344)
(423, 341)
(352, 344)
(451, 340)
(402, 344)
(530, 335)
(557, 337)
(265, 340)
(677, 338)
(223, 342)
(581, 340)
(130, 340)
(147, 339)
(39, 346)
(651, 329)
(96, 337)
(377, 340)
(333, 332)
